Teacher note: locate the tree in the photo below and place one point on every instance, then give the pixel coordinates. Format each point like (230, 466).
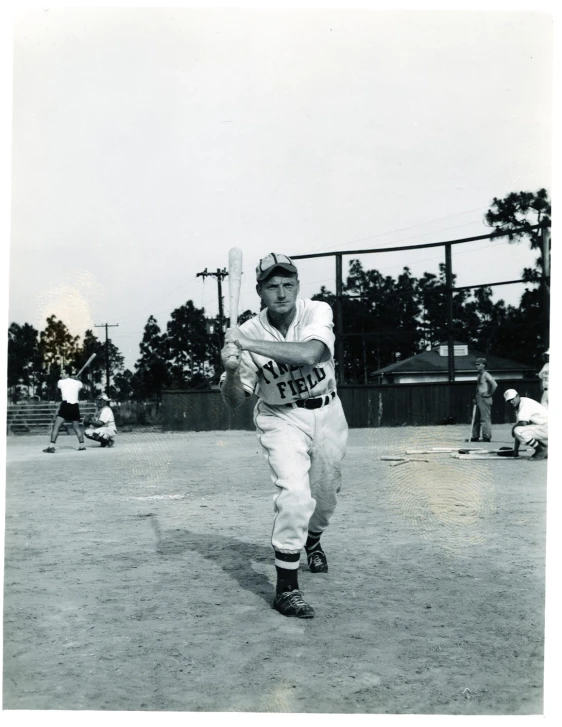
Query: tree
(24, 359)
(152, 374)
(188, 346)
(93, 376)
(522, 211)
(58, 348)
(525, 210)
(123, 385)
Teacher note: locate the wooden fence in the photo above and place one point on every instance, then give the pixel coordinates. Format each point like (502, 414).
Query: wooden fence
(387, 405)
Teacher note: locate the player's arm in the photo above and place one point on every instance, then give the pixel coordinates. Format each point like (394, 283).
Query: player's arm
(492, 383)
(307, 353)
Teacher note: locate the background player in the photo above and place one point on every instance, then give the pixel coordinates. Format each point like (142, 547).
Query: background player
(285, 356)
(543, 376)
(69, 411)
(531, 427)
(101, 427)
(485, 387)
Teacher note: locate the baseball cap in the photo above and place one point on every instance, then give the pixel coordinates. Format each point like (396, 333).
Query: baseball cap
(274, 260)
(481, 361)
(510, 394)
(104, 397)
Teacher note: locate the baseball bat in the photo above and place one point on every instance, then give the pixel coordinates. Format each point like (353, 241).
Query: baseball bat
(234, 281)
(88, 362)
(471, 423)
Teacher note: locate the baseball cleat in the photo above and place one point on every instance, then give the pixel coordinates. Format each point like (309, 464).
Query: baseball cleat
(49, 450)
(317, 561)
(540, 454)
(82, 448)
(110, 442)
(291, 603)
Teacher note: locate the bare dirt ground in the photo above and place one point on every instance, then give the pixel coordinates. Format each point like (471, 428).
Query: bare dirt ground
(141, 578)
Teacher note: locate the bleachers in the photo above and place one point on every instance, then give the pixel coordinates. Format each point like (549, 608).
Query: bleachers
(39, 416)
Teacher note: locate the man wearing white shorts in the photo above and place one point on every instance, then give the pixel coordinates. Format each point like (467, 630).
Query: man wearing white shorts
(285, 357)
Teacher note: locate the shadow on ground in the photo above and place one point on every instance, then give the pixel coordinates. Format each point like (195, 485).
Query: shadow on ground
(233, 556)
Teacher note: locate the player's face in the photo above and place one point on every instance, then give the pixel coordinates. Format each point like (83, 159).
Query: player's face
(279, 294)
(515, 401)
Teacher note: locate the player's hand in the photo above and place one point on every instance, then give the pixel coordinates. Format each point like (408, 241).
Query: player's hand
(230, 356)
(232, 335)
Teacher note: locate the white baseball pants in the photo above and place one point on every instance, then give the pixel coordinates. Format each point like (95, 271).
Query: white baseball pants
(99, 432)
(304, 450)
(527, 434)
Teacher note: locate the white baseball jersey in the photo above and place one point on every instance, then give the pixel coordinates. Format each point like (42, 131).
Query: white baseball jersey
(530, 410)
(277, 383)
(106, 416)
(543, 376)
(70, 389)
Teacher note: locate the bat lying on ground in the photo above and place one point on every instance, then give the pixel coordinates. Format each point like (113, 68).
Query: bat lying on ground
(507, 455)
(88, 362)
(464, 450)
(389, 458)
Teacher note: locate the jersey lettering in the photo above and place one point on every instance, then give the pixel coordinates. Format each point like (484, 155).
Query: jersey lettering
(269, 367)
(292, 387)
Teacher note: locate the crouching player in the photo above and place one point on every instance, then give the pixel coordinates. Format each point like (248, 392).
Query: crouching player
(531, 427)
(101, 427)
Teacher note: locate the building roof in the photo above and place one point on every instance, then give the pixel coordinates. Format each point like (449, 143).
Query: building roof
(432, 362)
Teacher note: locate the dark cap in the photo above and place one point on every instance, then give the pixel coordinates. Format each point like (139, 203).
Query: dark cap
(274, 260)
(481, 361)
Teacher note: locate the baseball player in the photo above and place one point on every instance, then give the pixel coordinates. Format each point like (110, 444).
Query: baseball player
(543, 376)
(485, 387)
(531, 427)
(101, 427)
(69, 410)
(285, 357)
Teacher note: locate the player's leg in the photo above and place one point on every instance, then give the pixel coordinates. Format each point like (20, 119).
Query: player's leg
(486, 419)
(80, 434)
(327, 455)
(535, 436)
(106, 436)
(285, 447)
(59, 420)
(91, 433)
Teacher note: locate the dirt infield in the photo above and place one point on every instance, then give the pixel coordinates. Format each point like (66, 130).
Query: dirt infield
(141, 578)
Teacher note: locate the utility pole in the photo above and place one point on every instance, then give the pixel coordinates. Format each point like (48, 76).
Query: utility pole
(219, 275)
(450, 329)
(106, 326)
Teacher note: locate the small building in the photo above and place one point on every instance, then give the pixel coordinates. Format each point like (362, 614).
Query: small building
(433, 365)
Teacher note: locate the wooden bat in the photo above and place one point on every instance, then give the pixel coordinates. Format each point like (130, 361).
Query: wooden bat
(386, 458)
(88, 362)
(234, 280)
(471, 423)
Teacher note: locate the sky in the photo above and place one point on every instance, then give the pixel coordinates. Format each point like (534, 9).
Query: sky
(147, 142)
(142, 144)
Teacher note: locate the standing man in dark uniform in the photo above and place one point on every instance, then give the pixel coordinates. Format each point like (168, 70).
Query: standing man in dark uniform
(485, 387)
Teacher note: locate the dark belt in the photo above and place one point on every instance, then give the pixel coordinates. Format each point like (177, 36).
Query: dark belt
(313, 403)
